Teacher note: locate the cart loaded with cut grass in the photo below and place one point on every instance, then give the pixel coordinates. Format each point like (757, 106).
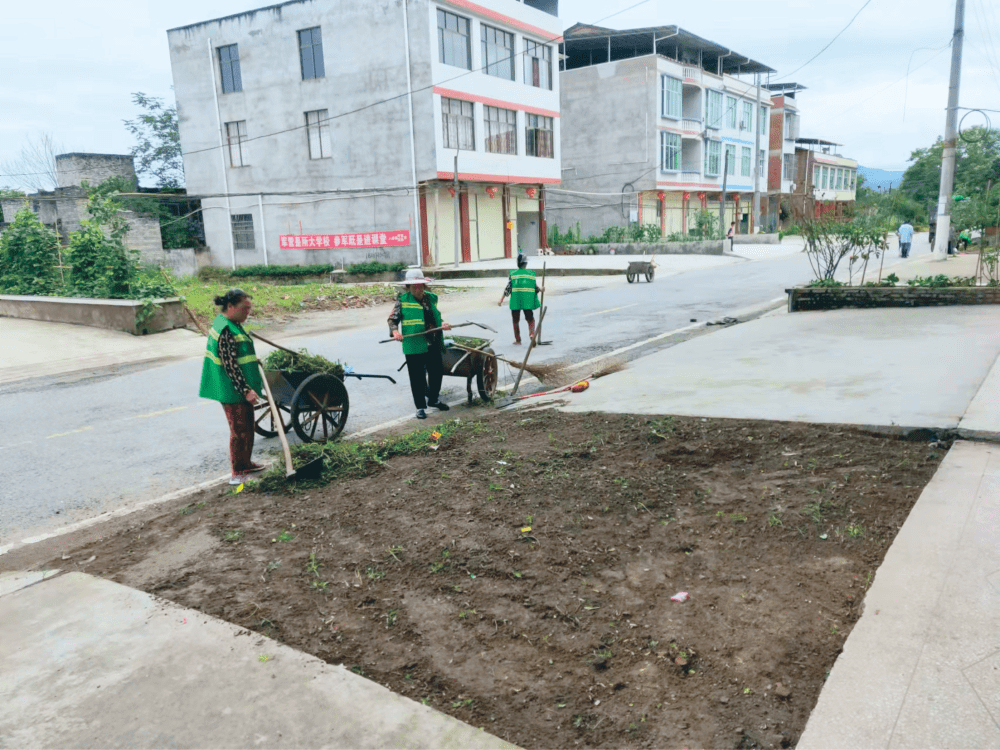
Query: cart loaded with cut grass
(310, 394)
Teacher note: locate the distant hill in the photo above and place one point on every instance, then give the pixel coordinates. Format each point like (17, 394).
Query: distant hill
(880, 179)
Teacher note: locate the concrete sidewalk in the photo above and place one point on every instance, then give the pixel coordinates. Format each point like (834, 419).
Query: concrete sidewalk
(88, 663)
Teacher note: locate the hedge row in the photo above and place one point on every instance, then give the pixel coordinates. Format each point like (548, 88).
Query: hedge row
(318, 270)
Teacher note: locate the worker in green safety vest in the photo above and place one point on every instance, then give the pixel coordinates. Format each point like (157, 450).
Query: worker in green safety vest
(523, 293)
(231, 376)
(416, 321)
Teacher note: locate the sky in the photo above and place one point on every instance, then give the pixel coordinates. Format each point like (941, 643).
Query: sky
(880, 89)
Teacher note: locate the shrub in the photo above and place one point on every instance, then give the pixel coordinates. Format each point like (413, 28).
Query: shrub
(28, 257)
(375, 266)
(103, 266)
(941, 280)
(317, 270)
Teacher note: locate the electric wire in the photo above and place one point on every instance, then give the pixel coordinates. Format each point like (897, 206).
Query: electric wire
(789, 75)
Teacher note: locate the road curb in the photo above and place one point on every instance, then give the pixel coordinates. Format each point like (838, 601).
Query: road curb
(112, 514)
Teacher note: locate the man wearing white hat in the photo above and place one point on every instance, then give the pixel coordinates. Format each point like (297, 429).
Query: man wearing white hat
(416, 313)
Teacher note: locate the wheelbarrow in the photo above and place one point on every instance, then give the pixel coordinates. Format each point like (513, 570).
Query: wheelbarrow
(637, 268)
(316, 405)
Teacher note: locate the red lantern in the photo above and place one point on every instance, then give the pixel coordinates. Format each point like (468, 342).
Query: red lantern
(451, 191)
(530, 192)
(662, 196)
(491, 192)
(686, 197)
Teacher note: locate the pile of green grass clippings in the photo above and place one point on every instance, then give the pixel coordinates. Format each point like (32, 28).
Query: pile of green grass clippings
(303, 361)
(470, 342)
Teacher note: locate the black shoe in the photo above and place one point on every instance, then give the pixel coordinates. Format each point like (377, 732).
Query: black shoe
(440, 406)
(421, 414)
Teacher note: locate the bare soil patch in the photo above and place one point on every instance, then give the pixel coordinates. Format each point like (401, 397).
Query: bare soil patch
(520, 576)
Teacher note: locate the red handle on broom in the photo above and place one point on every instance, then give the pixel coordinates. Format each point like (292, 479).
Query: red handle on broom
(575, 388)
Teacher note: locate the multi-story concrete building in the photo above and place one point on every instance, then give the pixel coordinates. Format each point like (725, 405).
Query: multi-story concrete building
(297, 119)
(657, 122)
(806, 177)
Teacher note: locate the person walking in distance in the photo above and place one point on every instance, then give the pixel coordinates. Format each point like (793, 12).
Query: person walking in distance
(413, 321)
(230, 375)
(905, 235)
(523, 292)
(730, 235)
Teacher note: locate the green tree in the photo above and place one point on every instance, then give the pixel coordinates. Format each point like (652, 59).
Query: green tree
(977, 164)
(103, 265)
(29, 254)
(158, 142)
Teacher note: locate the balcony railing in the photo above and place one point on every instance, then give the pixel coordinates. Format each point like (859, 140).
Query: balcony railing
(691, 125)
(693, 74)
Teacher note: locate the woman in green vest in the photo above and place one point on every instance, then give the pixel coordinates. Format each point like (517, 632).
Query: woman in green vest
(416, 312)
(523, 292)
(231, 376)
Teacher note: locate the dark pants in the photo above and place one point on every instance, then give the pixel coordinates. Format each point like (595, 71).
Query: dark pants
(904, 249)
(240, 418)
(529, 315)
(426, 371)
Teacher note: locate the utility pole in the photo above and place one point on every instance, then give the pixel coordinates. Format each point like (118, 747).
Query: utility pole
(940, 249)
(755, 217)
(458, 228)
(722, 196)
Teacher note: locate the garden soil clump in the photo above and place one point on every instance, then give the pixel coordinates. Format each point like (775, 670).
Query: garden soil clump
(521, 576)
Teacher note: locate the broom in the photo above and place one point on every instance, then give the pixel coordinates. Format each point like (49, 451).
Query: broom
(578, 386)
(538, 371)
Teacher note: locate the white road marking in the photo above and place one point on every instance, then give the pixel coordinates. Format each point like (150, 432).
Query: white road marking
(71, 432)
(159, 413)
(613, 309)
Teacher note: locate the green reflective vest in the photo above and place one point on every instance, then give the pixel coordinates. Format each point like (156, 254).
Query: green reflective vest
(413, 321)
(522, 290)
(215, 384)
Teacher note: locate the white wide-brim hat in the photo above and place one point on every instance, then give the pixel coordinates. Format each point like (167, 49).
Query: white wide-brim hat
(415, 276)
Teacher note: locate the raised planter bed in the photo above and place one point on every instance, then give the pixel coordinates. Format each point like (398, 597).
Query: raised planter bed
(115, 314)
(834, 298)
(340, 277)
(706, 247)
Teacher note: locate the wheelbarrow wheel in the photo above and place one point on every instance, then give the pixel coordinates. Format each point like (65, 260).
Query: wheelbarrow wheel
(486, 378)
(319, 408)
(649, 274)
(630, 277)
(263, 420)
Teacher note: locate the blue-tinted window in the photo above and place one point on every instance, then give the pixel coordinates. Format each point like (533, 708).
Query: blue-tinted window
(311, 53)
(229, 65)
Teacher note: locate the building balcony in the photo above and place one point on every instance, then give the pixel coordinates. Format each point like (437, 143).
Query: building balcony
(691, 128)
(692, 74)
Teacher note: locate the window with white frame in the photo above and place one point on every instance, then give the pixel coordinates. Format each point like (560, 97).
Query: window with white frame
(229, 67)
(538, 136)
(730, 159)
(762, 120)
(236, 136)
(713, 109)
(762, 162)
(498, 52)
(242, 225)
(311, 54)
(816, 174)
(746, 161)
(670, 97)
(746, 119)
(854, 179)
(731, 112)
(670, 152)
(537, 64)
(501, 130)
(713, 155)
(788, 167)
(826, 177)
(318, 132)
(458, 123)
(454, 40)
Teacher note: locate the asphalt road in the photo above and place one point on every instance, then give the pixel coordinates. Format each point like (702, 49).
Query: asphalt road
(71, 450)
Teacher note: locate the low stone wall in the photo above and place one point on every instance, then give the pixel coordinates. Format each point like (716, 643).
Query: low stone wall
(116, 314)
(339, 277)
(757, 239)
(705, 247)
(835, 298)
